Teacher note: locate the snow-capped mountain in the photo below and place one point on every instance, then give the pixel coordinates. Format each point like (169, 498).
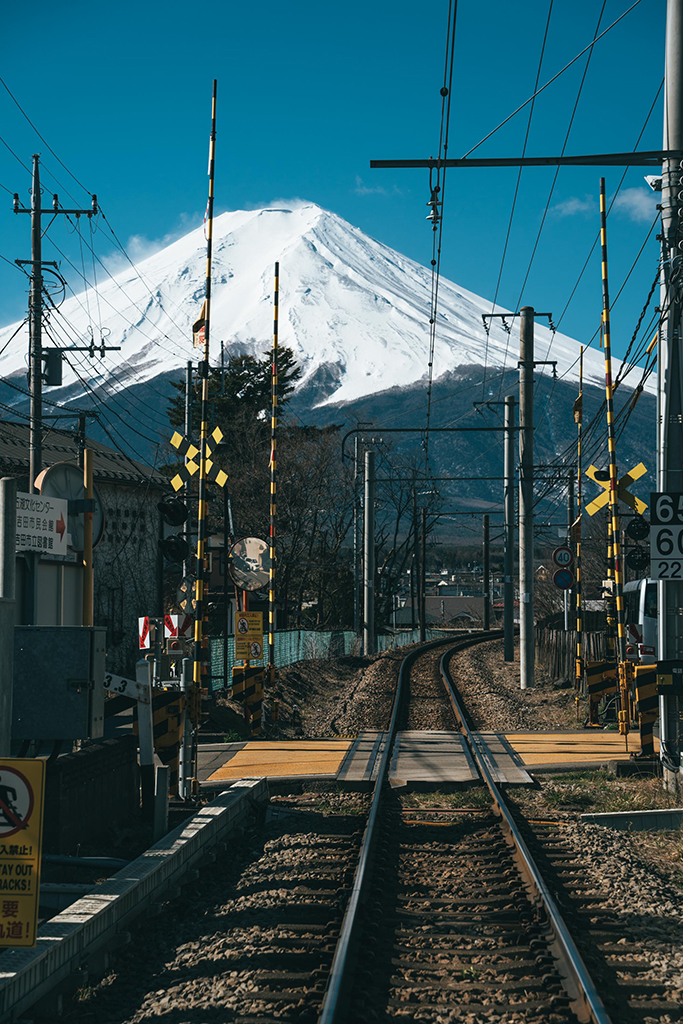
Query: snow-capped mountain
(354, 311)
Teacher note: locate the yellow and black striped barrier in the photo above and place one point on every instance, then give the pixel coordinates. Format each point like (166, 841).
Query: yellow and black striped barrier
(601, 679)
(167, 717)
(647, 706)
(247, 687)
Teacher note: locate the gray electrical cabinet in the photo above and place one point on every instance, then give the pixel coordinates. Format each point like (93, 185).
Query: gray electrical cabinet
(58, 691)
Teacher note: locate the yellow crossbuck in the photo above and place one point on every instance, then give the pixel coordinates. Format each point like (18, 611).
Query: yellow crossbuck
(623, 492)
(191, 452)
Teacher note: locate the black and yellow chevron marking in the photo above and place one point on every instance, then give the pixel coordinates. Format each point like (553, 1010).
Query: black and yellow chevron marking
(611, 442)
(167, 719)
(247, 687)
(647, 706)
(601, 679)
(578, 538)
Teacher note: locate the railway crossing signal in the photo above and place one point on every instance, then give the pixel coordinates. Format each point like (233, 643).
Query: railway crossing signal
(190, 452)
(623, 492)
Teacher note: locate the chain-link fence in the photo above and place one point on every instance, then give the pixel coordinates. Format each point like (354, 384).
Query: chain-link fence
(305, 644)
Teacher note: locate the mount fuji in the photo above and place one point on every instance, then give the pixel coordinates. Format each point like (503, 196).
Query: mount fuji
(354, 312)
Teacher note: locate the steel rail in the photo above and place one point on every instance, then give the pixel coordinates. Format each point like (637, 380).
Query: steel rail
(587, 1003)
(332, 1006)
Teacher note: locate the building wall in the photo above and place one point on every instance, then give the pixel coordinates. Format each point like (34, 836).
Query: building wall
(127, 569)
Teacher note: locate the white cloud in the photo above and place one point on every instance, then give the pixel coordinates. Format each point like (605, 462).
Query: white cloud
(638, 204)
(362, 189)
(139, 247)
(575, 205)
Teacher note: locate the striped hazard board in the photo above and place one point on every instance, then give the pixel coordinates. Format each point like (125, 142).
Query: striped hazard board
(247, 686)
(167, 710)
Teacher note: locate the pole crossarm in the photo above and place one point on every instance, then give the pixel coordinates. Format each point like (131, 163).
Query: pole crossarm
(418, 430)
(646, 158)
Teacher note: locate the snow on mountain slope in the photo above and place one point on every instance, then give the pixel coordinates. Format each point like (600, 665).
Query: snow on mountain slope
(354, 311)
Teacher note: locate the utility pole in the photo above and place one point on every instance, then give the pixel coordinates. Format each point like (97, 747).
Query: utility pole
(487, 573)
(509, 550)
(369, 559)
(35, 312)
(356, 537)
(526, 498)
(670, 373)
(417, 571)
(423, 574)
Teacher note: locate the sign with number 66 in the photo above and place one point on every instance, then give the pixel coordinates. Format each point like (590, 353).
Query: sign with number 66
(666, 535)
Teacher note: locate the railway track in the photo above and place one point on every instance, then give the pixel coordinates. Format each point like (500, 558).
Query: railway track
(347, 907)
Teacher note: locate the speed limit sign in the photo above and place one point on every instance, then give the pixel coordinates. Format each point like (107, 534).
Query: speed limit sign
(666, 535)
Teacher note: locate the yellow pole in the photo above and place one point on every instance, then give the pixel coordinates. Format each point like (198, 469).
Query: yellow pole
(613, 534)
(578, 415)
(273, 485)
(201, 609)
(88, 575)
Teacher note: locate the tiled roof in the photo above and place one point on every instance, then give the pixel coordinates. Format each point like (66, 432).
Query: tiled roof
(61, 446)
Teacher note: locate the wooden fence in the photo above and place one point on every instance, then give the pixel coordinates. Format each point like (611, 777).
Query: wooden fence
(556, 651)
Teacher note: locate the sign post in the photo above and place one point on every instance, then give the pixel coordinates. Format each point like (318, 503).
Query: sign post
(666, 535)
(22, 787)
(249, 636)
(41, 524)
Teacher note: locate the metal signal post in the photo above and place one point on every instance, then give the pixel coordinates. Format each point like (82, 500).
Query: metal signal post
(200, 636)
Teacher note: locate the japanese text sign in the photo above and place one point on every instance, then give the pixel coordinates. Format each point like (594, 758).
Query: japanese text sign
(22, 785)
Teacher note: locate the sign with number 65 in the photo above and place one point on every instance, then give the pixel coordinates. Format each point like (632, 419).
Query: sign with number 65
(666, 535)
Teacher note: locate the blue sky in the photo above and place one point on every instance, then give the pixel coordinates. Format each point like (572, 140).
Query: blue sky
(308, 94)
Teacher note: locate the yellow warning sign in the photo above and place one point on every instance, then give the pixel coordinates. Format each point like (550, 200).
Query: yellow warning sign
(22, 786)
(249, 636)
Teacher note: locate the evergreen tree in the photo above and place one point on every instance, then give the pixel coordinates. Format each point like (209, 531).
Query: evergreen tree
(240, 395)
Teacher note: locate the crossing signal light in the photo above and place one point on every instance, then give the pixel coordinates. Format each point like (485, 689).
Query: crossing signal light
(173, 511)
(638, 528)
(175, 548)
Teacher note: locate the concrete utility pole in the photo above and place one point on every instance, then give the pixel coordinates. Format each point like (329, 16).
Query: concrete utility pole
(356, 537)
(526, 498)
(8, 542)
(423, 574)
(369, 559)
(670, 365)
(36, 310)
(35, 334)
(487, 572)
(509, 550)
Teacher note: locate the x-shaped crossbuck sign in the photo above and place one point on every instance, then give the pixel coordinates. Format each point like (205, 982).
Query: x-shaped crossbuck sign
(623, 492)
(190, 452)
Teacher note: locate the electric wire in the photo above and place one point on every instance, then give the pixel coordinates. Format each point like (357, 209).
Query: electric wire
(551, 80)
(514, 197)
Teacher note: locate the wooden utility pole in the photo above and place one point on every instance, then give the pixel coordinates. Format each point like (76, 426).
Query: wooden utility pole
(526, 498)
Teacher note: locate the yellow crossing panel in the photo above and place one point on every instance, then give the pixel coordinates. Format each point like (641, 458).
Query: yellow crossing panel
(272, 757)
(573, 747)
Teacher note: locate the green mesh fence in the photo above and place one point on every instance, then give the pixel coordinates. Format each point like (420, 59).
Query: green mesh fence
(305, 644)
